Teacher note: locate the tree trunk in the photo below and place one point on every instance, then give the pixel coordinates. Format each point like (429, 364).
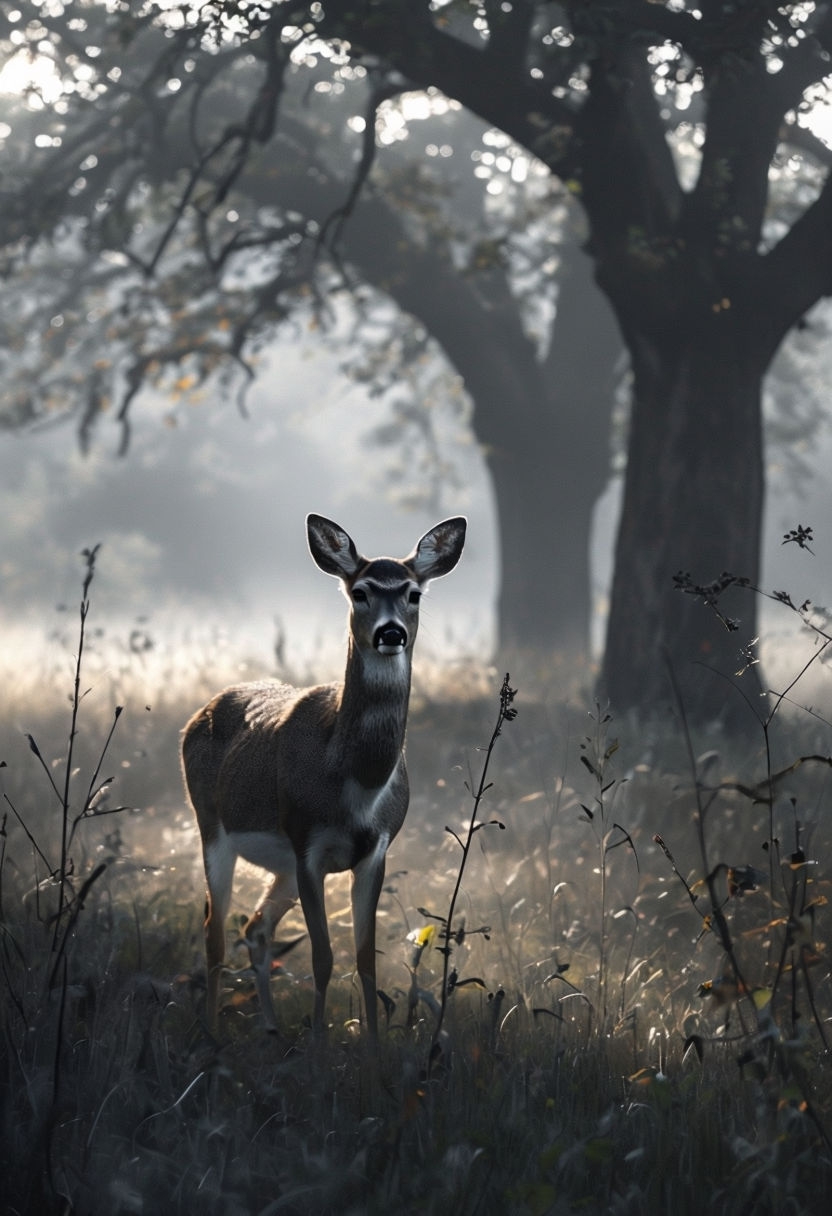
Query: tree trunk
(582, 369)
(693, 502)
(543, 502)
(545, 432)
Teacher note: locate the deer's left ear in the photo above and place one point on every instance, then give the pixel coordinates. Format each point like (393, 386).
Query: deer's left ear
(331, 547)
(439, 550)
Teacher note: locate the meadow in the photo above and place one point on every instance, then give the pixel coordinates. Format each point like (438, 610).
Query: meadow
(633, 983)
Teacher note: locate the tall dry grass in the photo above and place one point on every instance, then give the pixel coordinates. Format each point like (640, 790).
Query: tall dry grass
(635, 1024)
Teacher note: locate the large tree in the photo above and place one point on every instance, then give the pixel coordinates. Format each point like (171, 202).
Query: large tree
(703, 287)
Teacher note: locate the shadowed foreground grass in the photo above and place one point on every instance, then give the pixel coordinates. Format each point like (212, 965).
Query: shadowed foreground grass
(147, 1114)
(638, 1022)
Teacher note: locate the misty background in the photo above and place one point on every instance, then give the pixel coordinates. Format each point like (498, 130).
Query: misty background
(202, 534)
(202, 523)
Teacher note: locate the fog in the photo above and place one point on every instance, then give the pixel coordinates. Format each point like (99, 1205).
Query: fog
(202, 537)
(201, 525)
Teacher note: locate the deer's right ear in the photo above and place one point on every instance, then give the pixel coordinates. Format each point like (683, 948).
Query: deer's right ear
(331, 547)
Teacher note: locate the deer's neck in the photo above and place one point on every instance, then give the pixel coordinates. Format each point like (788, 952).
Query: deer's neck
(369, 732)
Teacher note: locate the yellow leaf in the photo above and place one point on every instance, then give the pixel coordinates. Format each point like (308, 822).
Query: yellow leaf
(761, 997)
(422, 937)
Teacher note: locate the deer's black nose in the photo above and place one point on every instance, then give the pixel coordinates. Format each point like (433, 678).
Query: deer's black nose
(389, 638)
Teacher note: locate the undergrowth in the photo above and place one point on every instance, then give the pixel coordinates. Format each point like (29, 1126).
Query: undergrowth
(620, 1003)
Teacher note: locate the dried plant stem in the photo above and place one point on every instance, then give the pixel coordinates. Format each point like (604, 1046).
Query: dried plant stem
(90, 555)
(506, 714)
(720, 923)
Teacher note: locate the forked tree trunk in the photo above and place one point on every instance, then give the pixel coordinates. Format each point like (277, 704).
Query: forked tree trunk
(693, 502)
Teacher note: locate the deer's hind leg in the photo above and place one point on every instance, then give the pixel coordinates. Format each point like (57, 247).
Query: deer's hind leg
(219, 858)
(278, 899)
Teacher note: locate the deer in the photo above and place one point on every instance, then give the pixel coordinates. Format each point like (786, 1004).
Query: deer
(307, 782)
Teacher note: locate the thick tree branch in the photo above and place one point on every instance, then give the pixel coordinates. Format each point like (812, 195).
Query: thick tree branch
(798, 270)
(630, 189)
(405, 37)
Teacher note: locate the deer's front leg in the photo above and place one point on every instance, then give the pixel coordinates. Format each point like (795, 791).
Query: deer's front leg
(311, 890)
(367, 881)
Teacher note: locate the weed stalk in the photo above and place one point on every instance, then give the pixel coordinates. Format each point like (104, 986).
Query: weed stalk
(90, 556)
(506, 713)
(596, 752)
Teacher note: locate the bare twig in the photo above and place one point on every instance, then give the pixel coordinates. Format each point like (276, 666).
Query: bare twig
(506, 713)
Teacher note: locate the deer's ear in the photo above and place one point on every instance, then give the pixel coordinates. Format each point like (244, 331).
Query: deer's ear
(439, 550)
(331, 547)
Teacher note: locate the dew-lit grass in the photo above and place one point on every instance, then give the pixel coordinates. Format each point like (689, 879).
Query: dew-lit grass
(593, 1055)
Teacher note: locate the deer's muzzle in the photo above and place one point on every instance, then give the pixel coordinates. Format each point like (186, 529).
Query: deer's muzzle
(390, 638)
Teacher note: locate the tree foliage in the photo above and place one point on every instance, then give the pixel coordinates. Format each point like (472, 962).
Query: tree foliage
(152, 179)
(594, 92)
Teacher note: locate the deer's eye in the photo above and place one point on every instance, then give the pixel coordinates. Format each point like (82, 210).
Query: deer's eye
(414, 597)
(359, 596)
